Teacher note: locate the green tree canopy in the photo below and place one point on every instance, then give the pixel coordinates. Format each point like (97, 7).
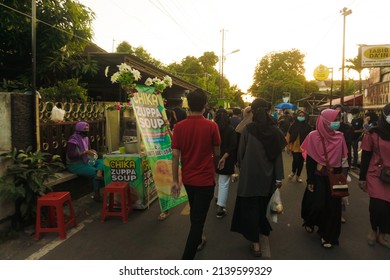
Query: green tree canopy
(356, 65)
(63, 31)
(279, 72)
(139, 52)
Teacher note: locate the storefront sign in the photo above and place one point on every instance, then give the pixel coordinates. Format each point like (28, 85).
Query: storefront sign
(321, 73)
(375, 55)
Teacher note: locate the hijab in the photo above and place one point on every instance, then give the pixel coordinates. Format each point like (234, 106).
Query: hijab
(334, 141)
(246, 118)
(222, 119)
(373, 117)
(299, 128)
(383, 128)
(264, 129)
(82, 142)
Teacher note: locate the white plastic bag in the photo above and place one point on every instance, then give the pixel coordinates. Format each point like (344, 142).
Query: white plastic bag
(275, 206)
(57, 114)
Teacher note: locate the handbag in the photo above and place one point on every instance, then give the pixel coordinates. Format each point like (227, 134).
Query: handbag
(385, 170)
(337, 181)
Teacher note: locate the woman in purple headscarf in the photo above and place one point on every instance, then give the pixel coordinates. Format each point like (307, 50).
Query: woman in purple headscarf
(318, 207)
(82, 160)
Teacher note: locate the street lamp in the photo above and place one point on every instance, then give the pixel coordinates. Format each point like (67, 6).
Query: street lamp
(223, 58)
(345, 12)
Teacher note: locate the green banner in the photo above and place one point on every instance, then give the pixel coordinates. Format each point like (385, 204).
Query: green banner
(132, 168)
(150, 115)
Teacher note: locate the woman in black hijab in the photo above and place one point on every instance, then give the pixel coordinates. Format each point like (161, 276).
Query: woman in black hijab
(376, 155)
(260, 161)
(297, 132)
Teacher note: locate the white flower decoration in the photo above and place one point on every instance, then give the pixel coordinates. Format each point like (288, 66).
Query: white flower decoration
(168, 81)
(149, 82)
(136, 74)
(114, 77)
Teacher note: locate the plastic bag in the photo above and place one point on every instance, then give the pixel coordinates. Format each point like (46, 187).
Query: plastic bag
(57, 114)
(275, 206)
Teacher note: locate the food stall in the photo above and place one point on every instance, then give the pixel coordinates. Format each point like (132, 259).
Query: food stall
(142, 155)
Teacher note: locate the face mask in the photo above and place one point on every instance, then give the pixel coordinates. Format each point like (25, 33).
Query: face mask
(84, 133)
(388, 119)
(301, 119)
(334, 125)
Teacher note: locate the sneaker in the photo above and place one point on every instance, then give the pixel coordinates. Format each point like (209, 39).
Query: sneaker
(343, 220)
(221, 214)
(291, 176)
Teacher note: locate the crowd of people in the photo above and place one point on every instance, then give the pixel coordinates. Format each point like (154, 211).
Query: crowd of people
(212, 145)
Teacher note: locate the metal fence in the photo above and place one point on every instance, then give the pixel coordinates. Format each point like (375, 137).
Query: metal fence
(54, 134)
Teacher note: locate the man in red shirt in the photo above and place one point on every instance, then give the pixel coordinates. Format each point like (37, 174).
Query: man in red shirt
(196, 143)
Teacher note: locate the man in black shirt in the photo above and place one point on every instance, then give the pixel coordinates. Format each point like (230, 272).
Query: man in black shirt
(181, 114)
(357, 124)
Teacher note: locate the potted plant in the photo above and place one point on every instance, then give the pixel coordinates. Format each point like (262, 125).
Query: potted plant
(24, 182)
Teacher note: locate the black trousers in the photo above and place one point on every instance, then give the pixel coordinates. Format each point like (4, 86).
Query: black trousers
(379, 215)
(199, 199)
(297, 164)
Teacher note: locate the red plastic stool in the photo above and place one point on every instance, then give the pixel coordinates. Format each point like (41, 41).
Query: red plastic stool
(126, 206)
(56, 202)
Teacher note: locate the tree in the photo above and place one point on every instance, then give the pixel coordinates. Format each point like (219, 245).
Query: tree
(125, 47)
(199, 71)
(63, 31)
(139, 52)
(311, 86)
(279, 72)
(356, 64)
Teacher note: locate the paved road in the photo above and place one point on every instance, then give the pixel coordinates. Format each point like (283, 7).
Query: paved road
(145, 238)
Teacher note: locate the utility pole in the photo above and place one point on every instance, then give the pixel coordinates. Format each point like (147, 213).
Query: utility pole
(113, 45)
(345, 12)
(222, 60)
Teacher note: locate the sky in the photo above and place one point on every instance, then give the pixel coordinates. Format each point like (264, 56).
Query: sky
(170, 30)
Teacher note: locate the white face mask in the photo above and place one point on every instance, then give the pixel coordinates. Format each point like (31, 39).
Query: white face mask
(388, 119)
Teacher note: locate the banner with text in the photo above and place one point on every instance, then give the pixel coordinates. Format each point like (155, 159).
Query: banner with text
(150, 115)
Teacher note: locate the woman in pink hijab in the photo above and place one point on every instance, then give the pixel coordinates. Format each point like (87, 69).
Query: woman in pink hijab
(318, 207)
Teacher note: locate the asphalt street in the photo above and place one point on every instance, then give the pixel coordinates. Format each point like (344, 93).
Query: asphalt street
(143, 237)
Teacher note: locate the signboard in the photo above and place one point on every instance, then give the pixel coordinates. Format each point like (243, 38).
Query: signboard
(134, 169)
(149, 111)
(321, 73)
(375, 55)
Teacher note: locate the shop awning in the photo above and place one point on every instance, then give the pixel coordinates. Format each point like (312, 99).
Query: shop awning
(348, 101)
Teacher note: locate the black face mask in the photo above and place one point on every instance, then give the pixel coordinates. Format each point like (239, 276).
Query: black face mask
(84, 133)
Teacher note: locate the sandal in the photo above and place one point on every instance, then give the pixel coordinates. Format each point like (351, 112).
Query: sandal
(255, 253)
(309, 229)
(163, 216)
(325, 244)
(202, 244)
(99, 178)
(97, 199)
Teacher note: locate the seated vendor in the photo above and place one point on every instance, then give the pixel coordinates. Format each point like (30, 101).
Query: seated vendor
(82, 160)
